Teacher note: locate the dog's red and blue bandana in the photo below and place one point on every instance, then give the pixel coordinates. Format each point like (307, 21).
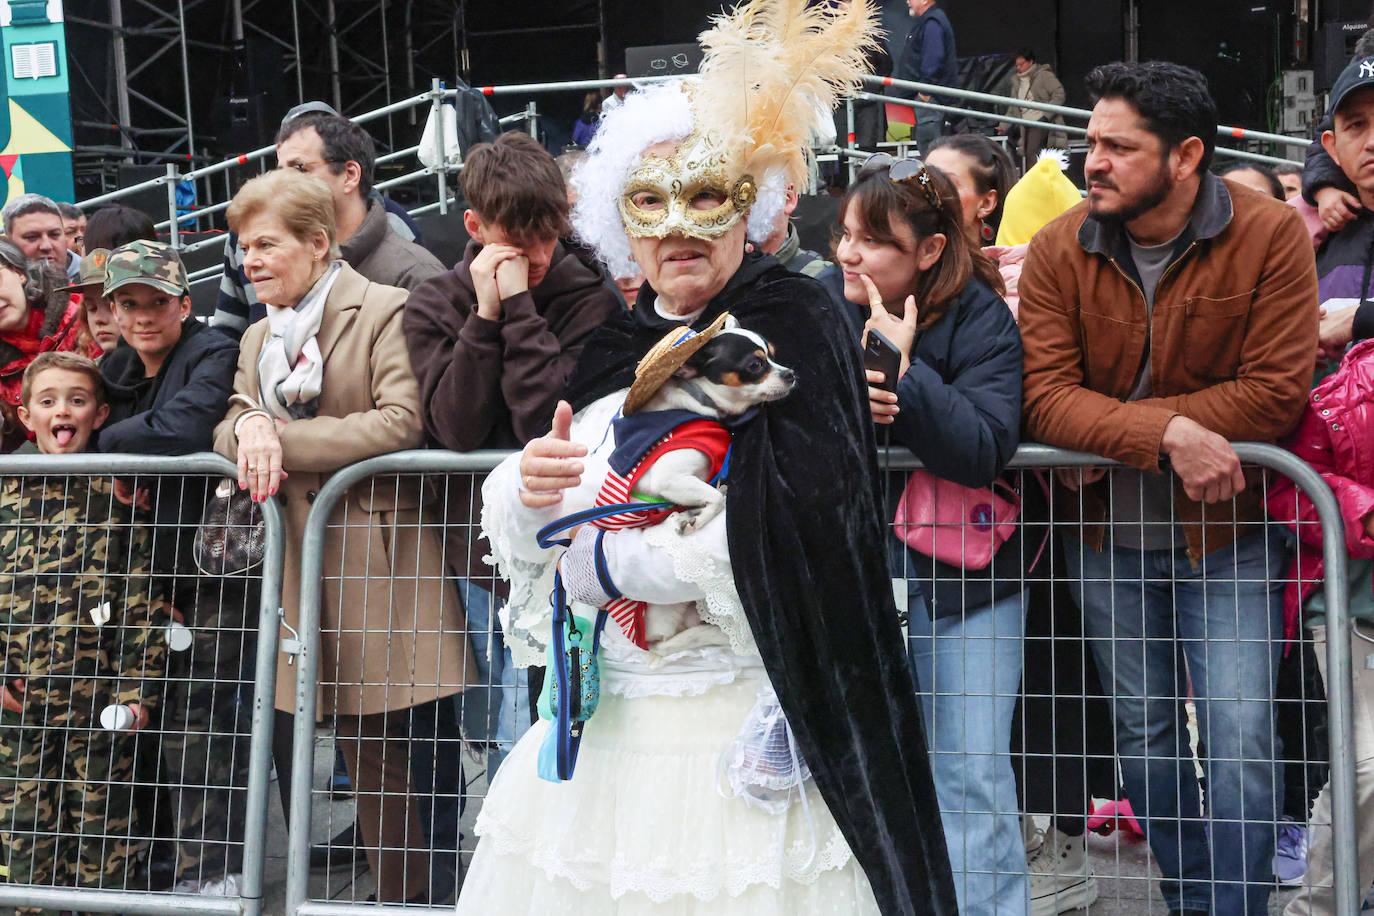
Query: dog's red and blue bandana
(641, 439)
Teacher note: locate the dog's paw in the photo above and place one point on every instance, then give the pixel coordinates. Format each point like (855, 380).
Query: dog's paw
(697, 518)
(687, 520)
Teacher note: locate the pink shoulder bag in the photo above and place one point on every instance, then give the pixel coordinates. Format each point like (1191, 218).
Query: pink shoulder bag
(958, 525)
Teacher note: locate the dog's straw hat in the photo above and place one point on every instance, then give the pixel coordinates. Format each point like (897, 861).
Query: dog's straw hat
(666, 357)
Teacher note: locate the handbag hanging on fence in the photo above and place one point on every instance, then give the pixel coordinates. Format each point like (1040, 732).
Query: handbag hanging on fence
(957, 525)
(230, 539)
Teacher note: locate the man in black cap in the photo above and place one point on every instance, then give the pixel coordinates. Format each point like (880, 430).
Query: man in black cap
(1344, 264)
(1344, 257)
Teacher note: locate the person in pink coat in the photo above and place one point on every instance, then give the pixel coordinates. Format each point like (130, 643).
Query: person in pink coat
(1336, 437)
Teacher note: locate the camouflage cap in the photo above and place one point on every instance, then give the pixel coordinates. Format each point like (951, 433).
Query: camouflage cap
(151, 263)
(91, 271)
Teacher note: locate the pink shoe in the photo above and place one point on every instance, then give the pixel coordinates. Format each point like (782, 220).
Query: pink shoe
(1114, 815)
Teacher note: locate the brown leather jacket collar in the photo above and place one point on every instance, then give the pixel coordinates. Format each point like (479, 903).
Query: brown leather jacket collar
(1212, 213)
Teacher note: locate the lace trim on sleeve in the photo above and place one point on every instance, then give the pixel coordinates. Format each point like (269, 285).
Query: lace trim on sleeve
(526, 617)
(694, 562)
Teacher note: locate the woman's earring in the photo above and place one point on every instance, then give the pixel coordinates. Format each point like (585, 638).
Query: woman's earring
(985, 231)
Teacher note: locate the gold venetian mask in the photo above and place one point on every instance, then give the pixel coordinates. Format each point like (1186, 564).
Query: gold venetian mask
(689, 193)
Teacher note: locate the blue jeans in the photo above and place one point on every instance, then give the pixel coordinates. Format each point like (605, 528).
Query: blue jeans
(1156, 623)
(968, 675)
(497, 671)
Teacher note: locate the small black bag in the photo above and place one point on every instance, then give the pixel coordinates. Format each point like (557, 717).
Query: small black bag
(232, 532)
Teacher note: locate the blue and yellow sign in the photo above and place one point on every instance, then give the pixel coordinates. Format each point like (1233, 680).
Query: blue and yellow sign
(35, 121)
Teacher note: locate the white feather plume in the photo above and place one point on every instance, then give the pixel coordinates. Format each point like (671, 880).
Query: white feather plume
(772, 67)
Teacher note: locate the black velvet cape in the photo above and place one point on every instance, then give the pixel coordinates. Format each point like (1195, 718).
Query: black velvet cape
(806, 540)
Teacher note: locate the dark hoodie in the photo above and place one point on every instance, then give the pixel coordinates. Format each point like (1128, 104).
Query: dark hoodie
(173, 413)
(494, 384)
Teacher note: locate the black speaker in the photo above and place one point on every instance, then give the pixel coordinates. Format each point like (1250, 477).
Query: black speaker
(1335, 46)
(1238, 59)
(153, 201)
(1346, 10)
(256, 99)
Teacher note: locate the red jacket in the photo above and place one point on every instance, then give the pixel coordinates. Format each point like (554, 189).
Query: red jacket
(1336, 437)
(58, 326)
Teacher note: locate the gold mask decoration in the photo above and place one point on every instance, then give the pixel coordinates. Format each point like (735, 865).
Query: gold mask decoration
(689, 193)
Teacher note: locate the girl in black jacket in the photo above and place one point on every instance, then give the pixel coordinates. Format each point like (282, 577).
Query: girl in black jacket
(957, 406)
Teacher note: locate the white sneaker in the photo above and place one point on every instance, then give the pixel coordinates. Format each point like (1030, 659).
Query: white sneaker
(1031, 835)
(224, 886)
(228, 886)
(1061, 880)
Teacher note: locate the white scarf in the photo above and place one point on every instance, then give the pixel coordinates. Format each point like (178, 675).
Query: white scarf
(290, 367)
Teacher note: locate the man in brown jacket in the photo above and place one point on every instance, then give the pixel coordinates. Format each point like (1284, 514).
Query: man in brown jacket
(1170, 313)
(492, 342)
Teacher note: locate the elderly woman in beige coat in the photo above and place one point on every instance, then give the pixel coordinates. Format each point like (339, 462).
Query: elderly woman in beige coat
(324, 381)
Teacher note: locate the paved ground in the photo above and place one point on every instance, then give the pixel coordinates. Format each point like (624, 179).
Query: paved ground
(1125, 872)
(1123, 866)
(1125, 879)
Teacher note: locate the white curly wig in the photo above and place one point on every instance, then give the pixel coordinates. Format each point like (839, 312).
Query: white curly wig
(771, 73)
(648, 115)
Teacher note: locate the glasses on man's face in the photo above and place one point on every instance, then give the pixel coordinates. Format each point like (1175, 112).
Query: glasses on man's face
(900, 170)
(305, 168)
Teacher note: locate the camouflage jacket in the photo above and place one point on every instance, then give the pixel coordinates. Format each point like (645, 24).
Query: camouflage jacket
(80, 608)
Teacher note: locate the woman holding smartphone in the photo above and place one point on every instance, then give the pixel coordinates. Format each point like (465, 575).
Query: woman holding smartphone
(916, 279)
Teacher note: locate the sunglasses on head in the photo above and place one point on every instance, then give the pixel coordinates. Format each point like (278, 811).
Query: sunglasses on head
(900, 170)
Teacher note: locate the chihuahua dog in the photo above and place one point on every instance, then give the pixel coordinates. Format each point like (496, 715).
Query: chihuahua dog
(727, 377)
(731, 373)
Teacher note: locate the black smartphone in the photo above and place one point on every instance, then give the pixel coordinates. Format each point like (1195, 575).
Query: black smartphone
(882, 356)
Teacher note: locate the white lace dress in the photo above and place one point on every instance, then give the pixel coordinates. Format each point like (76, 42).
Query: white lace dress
(648, 823)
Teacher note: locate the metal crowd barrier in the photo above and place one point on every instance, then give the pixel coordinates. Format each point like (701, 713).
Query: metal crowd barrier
(194, 781)
(1050, 667)
(337, 517)
(379, 642)
(418, 837)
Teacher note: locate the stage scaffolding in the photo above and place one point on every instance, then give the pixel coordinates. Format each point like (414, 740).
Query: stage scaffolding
(152, 79)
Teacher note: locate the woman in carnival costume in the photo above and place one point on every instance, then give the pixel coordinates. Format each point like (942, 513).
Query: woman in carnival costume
(664, 812)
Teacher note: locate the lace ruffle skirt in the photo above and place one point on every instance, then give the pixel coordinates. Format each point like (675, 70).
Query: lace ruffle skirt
(642, 827)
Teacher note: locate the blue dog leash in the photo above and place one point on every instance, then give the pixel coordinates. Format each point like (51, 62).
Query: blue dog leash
(559, 758)
(569, 716)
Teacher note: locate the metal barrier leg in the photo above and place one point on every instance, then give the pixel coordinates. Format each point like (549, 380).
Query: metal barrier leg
(850, 141)
(264, 695)
(1347, 891)
(175, 229)
(303, 739)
